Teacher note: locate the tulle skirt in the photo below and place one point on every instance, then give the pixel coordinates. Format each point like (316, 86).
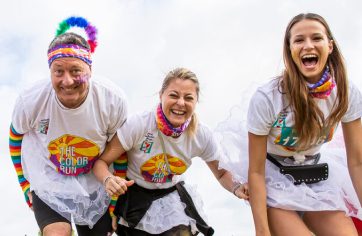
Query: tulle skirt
(81, 198)
(335, 193)
(168, 212)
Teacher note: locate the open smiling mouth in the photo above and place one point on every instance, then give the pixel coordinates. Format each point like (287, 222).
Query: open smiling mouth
(310, 60)
(178, 112)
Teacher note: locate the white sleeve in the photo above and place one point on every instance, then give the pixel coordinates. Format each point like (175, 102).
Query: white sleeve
(131, 131)
(118, 115)
(354, 110)
(20, 120)
(211, 150)
(260, 114)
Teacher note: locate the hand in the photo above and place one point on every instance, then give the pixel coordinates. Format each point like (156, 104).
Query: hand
(30, 196)
(114, 223)
(242, 191)
(117, 186)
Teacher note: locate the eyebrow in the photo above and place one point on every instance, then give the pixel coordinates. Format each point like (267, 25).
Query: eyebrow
(72, 67)
(314, 34)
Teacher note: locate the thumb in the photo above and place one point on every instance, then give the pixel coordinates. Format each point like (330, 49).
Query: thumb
(130, 183)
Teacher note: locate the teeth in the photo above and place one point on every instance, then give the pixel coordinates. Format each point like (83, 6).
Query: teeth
(309, 56)
(178, 112)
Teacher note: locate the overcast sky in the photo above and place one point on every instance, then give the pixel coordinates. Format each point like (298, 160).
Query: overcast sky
(231, 45)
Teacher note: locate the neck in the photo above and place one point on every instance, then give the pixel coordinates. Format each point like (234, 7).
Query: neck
(166, 127)
(323, 87)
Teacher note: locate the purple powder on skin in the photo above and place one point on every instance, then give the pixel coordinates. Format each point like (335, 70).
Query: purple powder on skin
(82, 79)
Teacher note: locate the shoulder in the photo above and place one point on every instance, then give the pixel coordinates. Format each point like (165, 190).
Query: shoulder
(353, 88)
(270, 89)
(354, 95)
(267, 96)
(144, 116)
(36, 92)
(202, 128)
(140, 121)
(203, 131)
(106, 87)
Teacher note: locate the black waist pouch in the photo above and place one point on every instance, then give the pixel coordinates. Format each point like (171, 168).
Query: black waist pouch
(308, 174)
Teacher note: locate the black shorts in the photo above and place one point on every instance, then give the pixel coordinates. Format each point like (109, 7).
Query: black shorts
(45, 215)
(177, 230)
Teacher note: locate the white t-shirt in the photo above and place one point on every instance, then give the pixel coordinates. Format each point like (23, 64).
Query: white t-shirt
(267, 116)
(139, 136)
(60, 145)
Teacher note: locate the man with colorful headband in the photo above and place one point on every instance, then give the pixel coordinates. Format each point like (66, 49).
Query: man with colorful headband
(59, 128)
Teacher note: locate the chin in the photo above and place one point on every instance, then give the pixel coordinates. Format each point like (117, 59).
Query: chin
(176, 124)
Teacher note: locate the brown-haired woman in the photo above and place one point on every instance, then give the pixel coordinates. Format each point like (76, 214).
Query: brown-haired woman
(289, 120)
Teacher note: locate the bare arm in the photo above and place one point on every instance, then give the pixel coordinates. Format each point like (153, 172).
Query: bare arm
(257, 157)
(352, 133)
(113, 184)
(225, 179)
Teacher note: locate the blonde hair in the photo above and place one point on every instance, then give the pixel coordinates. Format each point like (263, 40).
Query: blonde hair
(183, 74)
(309, 119)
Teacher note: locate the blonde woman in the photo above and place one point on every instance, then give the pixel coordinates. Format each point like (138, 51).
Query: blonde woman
(160, 145)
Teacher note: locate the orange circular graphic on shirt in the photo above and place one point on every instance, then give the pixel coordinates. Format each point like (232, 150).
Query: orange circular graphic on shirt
(157, 170)
(73, 155)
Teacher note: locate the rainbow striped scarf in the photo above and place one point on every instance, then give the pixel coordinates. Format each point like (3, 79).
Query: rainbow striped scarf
(165, 126)
(323, 88)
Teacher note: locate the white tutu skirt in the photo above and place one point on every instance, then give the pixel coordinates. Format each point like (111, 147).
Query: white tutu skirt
(81, 198)
(168, 212)
(334, 194)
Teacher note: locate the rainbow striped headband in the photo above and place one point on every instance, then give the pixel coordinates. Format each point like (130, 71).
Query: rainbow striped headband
(73, 50)
(69, 50)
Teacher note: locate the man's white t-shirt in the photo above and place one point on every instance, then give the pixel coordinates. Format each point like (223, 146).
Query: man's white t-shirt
(60, 145)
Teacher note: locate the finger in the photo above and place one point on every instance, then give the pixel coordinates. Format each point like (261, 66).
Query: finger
(130, 183)
(121, 183)
(114, 223)
(246, 187)
(30, 198)
(245, 190)
(109, 192)
(242, 193)
(121, 188)
(114, 184)
(112, 188)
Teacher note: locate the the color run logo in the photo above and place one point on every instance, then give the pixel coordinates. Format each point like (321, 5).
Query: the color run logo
(158, 169)
(73, 155)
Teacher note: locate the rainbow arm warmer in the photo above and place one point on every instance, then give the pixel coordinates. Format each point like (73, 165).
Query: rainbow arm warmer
(120, 169)
(15, 140)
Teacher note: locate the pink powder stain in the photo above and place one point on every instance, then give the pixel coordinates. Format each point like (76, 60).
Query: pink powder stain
(82, 79)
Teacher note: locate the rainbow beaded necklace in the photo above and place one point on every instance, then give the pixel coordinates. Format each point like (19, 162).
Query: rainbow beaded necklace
(166, 127)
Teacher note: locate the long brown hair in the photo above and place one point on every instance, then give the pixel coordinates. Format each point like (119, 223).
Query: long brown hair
(184, 74)
(309, 119)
